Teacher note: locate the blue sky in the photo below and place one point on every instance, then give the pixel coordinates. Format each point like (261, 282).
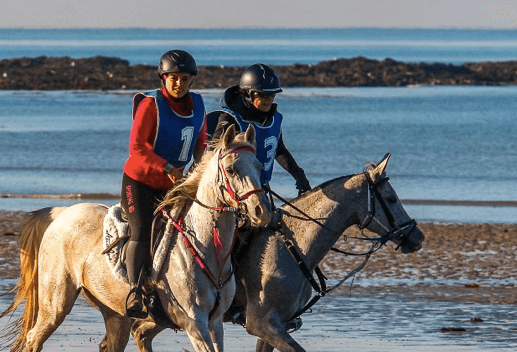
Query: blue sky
(258, 13)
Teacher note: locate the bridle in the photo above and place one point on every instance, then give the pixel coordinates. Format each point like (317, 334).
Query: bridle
(225, 184)
(395, 231)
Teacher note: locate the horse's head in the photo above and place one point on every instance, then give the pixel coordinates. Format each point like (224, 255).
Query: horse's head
(240, 172)
(384, 213)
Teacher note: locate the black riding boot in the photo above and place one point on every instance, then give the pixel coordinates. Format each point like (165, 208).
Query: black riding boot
(136, 255)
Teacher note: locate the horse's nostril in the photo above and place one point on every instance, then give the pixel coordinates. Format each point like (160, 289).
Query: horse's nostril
(262, 215)
(258, 210)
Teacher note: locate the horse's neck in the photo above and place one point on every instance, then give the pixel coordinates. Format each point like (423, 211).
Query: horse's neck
(314, 240)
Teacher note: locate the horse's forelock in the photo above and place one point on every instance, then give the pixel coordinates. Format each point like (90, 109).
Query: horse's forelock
(369, 166)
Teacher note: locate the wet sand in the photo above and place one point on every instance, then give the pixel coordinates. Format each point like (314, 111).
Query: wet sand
(459, 264)
(478, 260)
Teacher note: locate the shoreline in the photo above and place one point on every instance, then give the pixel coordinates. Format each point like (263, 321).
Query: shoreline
(86, 196)
(113, 73)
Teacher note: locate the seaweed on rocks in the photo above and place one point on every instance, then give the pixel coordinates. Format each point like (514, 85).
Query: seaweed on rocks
(112, 73)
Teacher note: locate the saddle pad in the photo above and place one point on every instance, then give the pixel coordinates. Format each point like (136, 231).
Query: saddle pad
(115, 227)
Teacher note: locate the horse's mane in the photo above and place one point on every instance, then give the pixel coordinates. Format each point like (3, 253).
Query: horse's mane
(184, 192)
(368, 166)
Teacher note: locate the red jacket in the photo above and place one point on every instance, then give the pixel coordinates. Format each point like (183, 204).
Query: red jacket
(143, 165)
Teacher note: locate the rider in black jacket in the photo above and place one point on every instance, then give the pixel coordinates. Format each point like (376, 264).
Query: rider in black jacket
(252, 102)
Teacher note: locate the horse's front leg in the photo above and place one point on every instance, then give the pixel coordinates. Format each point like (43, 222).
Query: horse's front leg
(117, 331)
(263, 346)
(200, 335)
(217, 333)
(144, 331)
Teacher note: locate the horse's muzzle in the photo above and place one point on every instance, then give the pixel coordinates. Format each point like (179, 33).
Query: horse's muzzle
(412, 241)
(259, 212)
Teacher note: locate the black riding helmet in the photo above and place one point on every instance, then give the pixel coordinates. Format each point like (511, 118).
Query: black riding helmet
(260, 78)
(176, 61)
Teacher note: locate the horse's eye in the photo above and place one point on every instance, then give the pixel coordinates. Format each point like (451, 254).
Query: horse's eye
(230, 170)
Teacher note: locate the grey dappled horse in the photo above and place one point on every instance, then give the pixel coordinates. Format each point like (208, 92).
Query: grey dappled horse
(272, 289)
(66, 259)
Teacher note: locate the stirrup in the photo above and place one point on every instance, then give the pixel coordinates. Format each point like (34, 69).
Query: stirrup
(293, 324)
(138, 311)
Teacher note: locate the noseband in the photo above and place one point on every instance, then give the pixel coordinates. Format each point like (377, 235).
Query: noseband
(396, 231)
(226, 183)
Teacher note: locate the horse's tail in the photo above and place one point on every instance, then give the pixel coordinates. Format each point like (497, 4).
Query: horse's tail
(26, 289)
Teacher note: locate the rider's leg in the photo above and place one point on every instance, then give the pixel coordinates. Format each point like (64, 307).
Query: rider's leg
(138, 202)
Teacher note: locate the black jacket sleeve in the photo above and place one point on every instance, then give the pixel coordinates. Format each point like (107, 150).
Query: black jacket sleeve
(224, 122)
(286, 160)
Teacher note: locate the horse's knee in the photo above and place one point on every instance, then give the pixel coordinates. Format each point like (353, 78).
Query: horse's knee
(143, 334)
(254, 327)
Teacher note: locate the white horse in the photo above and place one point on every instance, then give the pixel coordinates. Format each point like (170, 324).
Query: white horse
(274, 276)
(195, 285)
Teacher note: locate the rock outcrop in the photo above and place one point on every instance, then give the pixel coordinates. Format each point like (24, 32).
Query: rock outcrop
(111, 73)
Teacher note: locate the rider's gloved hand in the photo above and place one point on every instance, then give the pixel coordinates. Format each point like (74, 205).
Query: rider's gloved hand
(175, 175)
(303, 187)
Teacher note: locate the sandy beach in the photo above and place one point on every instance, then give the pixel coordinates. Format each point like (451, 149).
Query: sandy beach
(477, 260)
(459, 264)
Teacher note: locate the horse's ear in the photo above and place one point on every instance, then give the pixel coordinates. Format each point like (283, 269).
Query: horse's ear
(381, 167)
(250, 134)
(229, 136)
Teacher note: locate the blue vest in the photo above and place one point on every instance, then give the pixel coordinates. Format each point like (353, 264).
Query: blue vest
(176, 135)
(267, 140)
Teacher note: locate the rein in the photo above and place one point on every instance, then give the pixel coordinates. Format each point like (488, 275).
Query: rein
(393, 233)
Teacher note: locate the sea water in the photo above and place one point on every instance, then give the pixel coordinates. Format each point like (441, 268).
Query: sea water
(242, 47)
(447, 143)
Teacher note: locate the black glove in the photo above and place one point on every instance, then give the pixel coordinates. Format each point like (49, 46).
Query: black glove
(303, 187)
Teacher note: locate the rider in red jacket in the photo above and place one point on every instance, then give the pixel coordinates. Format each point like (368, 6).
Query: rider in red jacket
(168, 132)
